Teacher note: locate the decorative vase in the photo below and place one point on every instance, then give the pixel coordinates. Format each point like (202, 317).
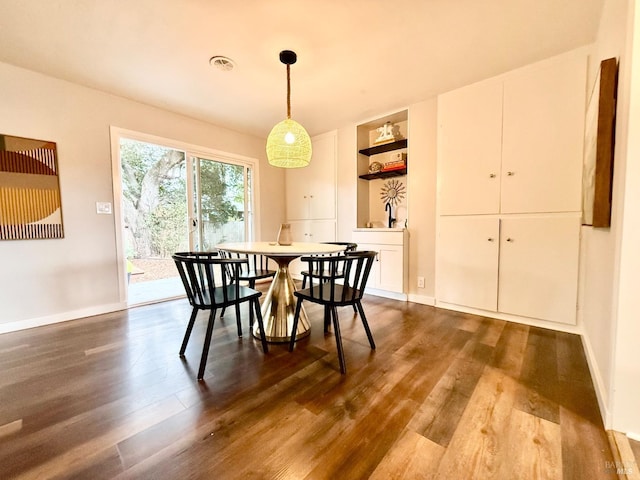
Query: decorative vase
(284, 235)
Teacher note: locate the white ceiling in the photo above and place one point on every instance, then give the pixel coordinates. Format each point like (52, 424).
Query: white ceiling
(356, 58)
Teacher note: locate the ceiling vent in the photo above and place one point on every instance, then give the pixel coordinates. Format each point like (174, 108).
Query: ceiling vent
(222, 63)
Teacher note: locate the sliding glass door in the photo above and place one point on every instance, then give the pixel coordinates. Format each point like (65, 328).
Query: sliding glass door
(176, 200)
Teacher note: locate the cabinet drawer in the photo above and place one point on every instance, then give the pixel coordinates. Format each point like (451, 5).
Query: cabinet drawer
(381, 237)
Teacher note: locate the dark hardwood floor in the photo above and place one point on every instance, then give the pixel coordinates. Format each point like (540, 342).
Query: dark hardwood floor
(445, 395)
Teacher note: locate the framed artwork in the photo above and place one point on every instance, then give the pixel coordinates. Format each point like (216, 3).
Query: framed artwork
(30, 205)
(597, 179)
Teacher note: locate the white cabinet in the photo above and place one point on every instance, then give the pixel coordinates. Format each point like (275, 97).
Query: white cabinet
(538, 275)
(311, 196)
(469, 146)
(521, 265)
(509, 191)
(543, 132)
(311, 191)
(514, 144)
(467, 261)
(390, 266)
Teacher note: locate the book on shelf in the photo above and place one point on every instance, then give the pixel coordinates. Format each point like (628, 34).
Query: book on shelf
(395, 165)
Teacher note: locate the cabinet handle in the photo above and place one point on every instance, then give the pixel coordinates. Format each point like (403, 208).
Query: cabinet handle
(489, 239)
(492, 175)
(509, 239)
(511, 174)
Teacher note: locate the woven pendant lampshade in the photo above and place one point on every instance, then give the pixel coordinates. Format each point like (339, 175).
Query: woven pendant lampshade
(288, 144)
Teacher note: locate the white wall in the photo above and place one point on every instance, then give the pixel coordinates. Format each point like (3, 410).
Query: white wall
(610, 258)
(43, 281)
(346, 174)
(599, 246)
(625, 404)
(421, 188)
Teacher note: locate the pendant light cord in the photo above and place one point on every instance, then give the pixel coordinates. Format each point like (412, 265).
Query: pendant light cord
(288, 91)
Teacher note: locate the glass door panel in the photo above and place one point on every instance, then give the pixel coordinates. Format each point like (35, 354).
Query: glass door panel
(154, 203)
(221, 201)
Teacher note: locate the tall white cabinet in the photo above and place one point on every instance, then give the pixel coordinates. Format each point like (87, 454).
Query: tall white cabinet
(311, 195)
(509, 191)
(311, 191)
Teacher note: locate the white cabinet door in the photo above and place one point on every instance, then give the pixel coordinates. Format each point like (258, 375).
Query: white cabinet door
(543, 139)
(539, 267)
(469, 149)
(322, 231)
(467, 263)
(322, 177)
(297, 194)
(391, 272)
(374, 274)
(387, 272)
(311, 191)
(300, 231)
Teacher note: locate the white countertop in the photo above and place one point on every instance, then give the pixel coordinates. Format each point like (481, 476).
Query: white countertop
(378, 229)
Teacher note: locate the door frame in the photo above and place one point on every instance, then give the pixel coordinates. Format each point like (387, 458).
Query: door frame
(191, 150)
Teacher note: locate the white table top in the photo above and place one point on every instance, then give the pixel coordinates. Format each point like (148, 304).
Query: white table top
(273, 249)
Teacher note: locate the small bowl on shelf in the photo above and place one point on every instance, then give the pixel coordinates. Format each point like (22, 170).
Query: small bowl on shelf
(375, 167)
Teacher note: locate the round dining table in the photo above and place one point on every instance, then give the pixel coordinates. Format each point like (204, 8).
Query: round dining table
(278, 306)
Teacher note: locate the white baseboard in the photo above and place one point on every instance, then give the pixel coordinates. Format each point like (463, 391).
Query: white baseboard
(598, 383)
(634, 436)
(386, 294)
(533, 322)
(422, 299)
(61, 317)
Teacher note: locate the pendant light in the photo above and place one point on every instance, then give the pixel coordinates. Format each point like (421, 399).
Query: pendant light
(288, 144)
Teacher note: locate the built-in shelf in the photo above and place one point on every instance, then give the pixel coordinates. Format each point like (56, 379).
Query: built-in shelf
(390, 173)
(387, 147)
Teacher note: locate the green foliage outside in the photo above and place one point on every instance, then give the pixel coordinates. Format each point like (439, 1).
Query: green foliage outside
(155, 197)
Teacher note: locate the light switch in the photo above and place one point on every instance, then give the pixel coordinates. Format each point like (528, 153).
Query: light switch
(103, 208)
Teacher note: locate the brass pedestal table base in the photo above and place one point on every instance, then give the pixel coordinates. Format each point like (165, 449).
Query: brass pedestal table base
(279, 306)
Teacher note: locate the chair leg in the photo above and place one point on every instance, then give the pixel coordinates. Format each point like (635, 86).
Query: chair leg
(187, 334)
(263, 336)
(336, 330)
(238, 321)
(355, 310)
(252, 284)
(366, 325)
(222, 312)
(294, 330)
(304, 282)
(207, 343)
(327, 318)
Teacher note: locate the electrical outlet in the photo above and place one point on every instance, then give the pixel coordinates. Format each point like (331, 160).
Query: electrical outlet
(420, 282)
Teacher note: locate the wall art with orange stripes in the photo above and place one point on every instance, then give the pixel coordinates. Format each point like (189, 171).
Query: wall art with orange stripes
(29, 189)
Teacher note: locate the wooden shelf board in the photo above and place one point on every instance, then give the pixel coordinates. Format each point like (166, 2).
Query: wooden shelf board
(387, 147)
(391, 173)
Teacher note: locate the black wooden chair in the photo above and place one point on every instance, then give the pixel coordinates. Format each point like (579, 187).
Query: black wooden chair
(211, 283)
(348, 247)
(255, 268)
(324, 290)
